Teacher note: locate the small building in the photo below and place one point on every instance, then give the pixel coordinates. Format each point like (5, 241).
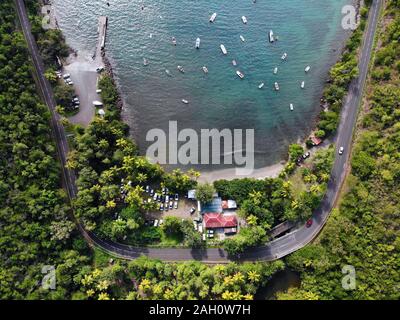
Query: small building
(215, 220)
(229, 205)
(315, 141)
(214, 206)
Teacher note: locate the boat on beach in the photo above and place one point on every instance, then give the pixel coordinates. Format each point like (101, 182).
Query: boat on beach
(180, 68)
(244, 19)
(284, 56)
(276, 70)
(261, 85)
(213, 16)
(308, 68)
(205, 70)
(198, 43)
(277, 86)
(242, 38)
(271, 36)
(240, 75)
(223, 49)
(302, 84)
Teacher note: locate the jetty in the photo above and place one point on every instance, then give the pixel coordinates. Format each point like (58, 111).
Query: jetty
(102, 30)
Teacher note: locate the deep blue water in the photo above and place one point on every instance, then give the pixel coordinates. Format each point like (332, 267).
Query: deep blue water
(309, 31)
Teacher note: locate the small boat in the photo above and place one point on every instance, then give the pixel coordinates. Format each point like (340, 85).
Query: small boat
(174, 41)
(180, 68)
(234, 63)
(302, 84)
(145, 62)
(198, 43)
(214, 15)
(291, 107)
(276, 86)
(261, 85)
(205, 70)
(223, 49)
(276, 70)
(151, 35)
(167, 72)
(271, 36)
(185, 101)
(308, 68)
(242, 38)
(284, 56)
(240, 75)
(244, 19)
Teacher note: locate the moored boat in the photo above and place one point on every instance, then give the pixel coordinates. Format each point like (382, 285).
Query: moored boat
(185, 101)
(240, 75)
(174, 41)
(261, 85)
(180, 68)
(276, 86)
(242, 38)
(234, 63)
(223, 49)
(205, 70)
(276, 70)
(308, 68)
(145, 62)
(271, 36)
(302, 84)
(244, 19)
(213, 16)
(198, 43)
(291, 107)
(284, 56)
(167, 72)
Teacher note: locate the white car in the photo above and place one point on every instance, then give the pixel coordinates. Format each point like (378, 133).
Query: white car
(341, 150)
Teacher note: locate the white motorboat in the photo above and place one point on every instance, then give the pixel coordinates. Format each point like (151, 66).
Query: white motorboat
(276, 70)
(167, 72)
(180, 68)
(223, 49)
(185, 101)
(244, 19)
(234, 63)
(291, 107)
(261, 85)
(205, 70)
(198, 43)
(145, 62)
(271, 36)
(276, 86)
(240, 75)
(174, 41)
(284, 56)
(302, 84)
(213, 16)
(242, 38)
(308, 68)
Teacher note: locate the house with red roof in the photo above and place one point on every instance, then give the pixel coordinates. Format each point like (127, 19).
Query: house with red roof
(214, 220)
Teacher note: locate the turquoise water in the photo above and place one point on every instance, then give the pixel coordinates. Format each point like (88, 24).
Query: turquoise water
(309, 31)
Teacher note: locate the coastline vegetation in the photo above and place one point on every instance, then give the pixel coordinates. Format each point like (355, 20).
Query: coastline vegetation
(363, 232)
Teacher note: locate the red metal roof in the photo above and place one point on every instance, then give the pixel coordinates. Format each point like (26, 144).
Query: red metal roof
(218, 220)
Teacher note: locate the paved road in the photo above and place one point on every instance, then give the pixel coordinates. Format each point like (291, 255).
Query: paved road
(271, 251)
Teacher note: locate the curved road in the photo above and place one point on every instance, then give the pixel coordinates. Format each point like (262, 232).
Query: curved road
(273, 250)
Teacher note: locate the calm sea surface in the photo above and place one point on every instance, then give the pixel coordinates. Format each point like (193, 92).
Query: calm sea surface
(309, 31)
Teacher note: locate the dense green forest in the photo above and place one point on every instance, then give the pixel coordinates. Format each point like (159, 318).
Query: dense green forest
(364, 231)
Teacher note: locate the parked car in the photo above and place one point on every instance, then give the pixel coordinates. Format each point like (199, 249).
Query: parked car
(192, 210)
(176, 205)
(176, 197)
(156, 223)
(171, 205)
(166, 198)
(147, 189)
(151, 192)
(164, 191)
(309, 223)
(99, 69)
(306, 155)
(66, 76)
(155, 196)
(161, 207)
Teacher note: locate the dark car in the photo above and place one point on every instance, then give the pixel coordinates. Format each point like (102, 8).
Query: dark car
(309, 223)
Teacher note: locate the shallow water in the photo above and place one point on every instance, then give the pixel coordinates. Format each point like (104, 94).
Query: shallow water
(309, 31)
